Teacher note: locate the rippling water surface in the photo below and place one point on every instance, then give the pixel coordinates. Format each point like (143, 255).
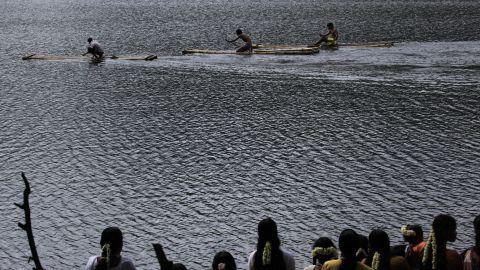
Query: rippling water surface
(192, 151)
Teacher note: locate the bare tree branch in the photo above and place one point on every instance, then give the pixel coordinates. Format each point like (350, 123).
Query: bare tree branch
(28, 224)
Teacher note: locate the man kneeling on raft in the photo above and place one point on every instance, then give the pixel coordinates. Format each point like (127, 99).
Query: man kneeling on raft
(248, 41)
(94, 48)
(330, 37)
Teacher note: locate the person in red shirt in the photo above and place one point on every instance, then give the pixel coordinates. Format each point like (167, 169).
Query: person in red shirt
(413, 234)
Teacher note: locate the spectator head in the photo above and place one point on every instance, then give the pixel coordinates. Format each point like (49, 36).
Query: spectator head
(268, 255)
(112, 236)
(379, 250)
(412, 233)
(362, 251)
(348, 242)
(223, 260)
(323, 250)
(445, 228)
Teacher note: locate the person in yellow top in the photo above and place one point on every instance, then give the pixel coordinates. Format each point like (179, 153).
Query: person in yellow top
(330, 37)
(379, 254)
(348, 243)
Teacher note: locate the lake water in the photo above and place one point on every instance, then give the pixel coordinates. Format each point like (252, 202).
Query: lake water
(192, 151)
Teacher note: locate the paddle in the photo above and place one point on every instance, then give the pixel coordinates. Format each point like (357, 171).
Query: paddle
(232, 42)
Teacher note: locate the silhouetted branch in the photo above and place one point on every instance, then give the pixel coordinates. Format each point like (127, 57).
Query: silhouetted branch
(165, 264)
(28, 224)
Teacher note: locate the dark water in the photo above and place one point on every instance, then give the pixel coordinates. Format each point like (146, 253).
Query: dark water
(192, 151)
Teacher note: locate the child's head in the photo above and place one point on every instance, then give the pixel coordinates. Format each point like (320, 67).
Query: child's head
(224, 258)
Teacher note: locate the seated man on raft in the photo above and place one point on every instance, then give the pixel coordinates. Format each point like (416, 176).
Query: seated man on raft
(248, 46)
(94, 48)
(330, 37)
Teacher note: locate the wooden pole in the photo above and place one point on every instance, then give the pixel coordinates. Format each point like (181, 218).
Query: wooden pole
(28, 224)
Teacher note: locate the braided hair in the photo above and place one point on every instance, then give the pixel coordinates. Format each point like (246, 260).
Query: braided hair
(111, 243)
(443, 230)
(348, 242)
(379, 251)
(268, 255)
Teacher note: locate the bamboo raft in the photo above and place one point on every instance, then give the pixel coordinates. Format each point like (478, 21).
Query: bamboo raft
(290, 49)
(380, 44)
(297, 50)
(81, 57)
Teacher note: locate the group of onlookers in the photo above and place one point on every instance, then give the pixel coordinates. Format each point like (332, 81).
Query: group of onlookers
(355, 252)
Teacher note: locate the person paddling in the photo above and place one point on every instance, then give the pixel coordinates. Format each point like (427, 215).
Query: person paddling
(248, 41)
(330, 37)
(94, 48)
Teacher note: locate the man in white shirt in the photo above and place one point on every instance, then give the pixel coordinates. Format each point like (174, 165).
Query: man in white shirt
(94, 48)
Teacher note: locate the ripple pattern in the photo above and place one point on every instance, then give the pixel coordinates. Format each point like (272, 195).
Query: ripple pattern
(192, 151)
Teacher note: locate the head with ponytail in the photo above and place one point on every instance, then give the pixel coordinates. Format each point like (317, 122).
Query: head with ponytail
(443, 230)
(348, 242)
(379, 250)
(223, 260)
(111, 243)
(268, 255)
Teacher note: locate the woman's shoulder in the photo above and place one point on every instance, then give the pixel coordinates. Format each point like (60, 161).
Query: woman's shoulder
(453, 256)
(251, 255)
(91, 262)
(286, 253)
(310, 267)
(454, 260)
(127, 264)
(335, 264)
(362, 266)
(399, 263)
(451, 253)
(288, 259)
(332, 264)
